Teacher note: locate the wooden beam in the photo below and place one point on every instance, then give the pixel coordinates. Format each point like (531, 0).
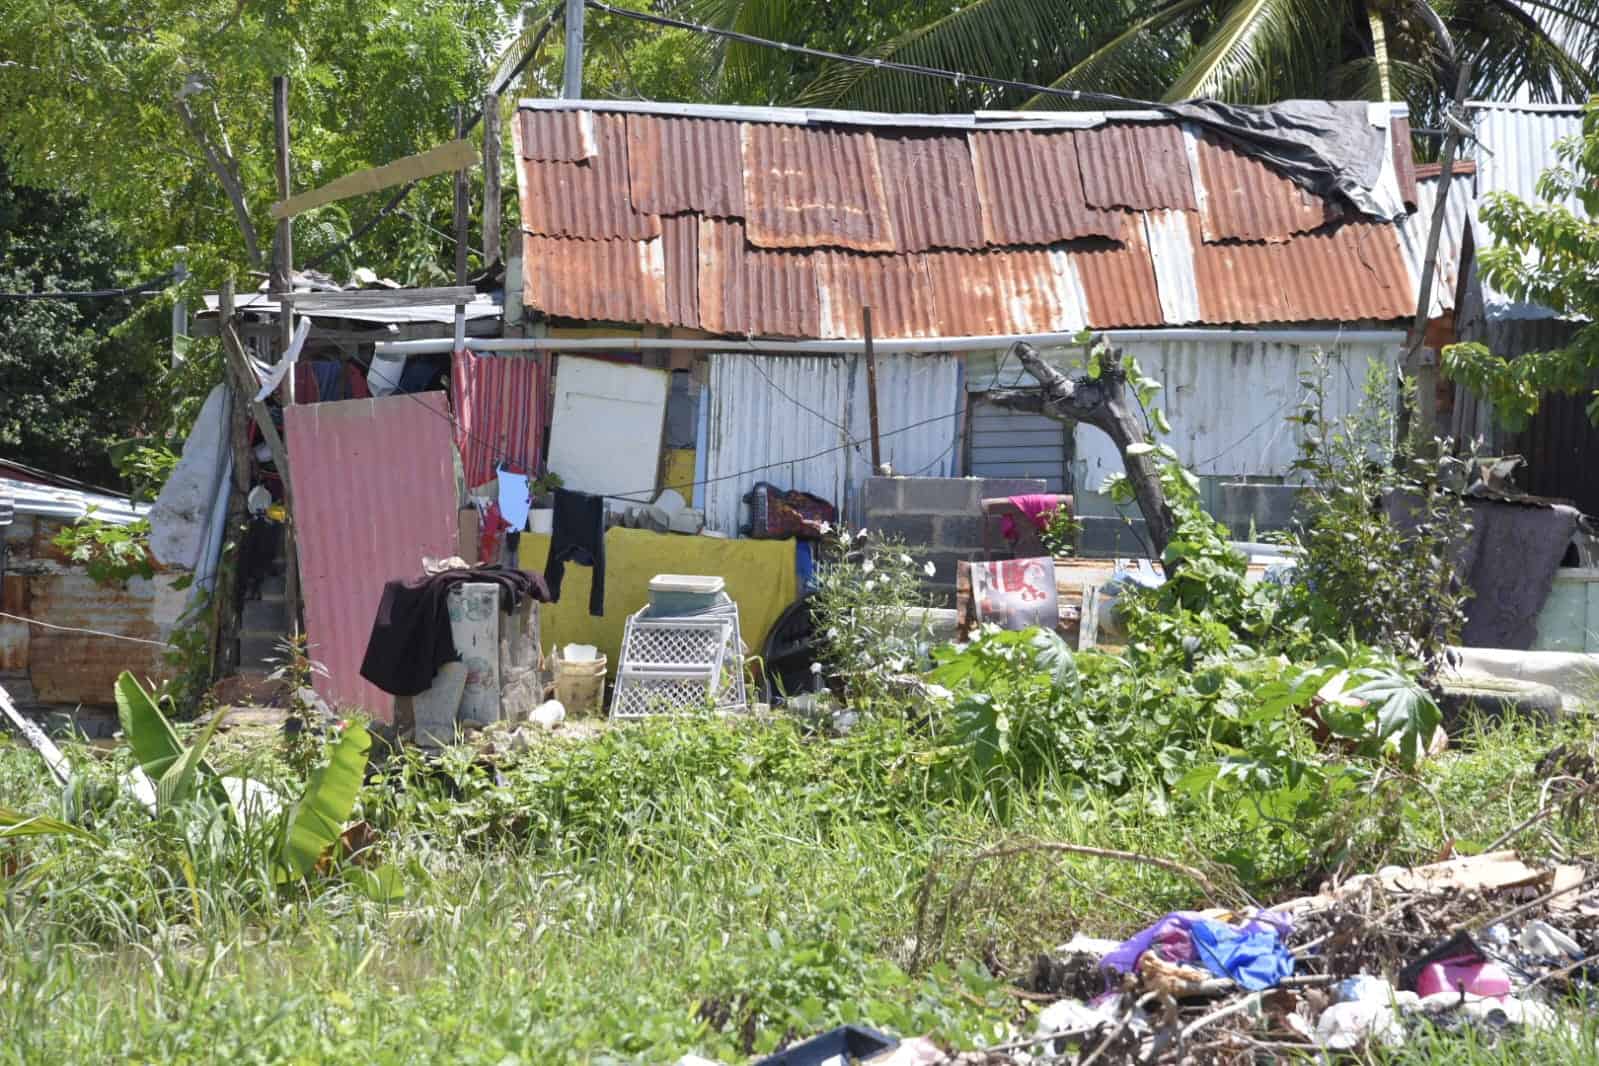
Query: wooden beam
(871, 390)
(283, 262)
(453, 155)
(367, 299)
(491, 180)
(462, 208)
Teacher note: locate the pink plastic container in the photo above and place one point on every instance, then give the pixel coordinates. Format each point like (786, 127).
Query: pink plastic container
(1477, 977)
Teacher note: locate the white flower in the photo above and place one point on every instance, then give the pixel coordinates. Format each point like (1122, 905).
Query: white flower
(825, 528)
(843, 537)
(868, 566)
(897, 665)
(870, 584)
(816, 668)
(906, 559)
(832, 632)
(929, 569)
(862, 533)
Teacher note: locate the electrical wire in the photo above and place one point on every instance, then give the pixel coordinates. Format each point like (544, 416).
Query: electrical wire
(955, 76)
(90, 632)
(141, 289)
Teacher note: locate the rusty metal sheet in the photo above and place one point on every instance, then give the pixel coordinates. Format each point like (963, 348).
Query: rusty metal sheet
(680, 250)
(589, 199)
(685, 164)
(557, 136)
(1030, 188)
(374, 492)
(932, 195)
(895, 287)
(1119, 280)
(1138, 165)
(604, 281)
(1244, 199)
(814, 187)
(1004, 292)
(1353, 272)
(1404, 159)
(14, 636)
(753, 291)
(68, 667)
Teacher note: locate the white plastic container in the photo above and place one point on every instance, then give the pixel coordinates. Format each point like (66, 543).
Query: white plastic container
(679, 594)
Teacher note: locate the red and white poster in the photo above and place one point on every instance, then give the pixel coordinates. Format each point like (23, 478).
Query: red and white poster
(1016, 593)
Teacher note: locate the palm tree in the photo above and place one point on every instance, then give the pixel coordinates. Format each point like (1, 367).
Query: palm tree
(1245, 51)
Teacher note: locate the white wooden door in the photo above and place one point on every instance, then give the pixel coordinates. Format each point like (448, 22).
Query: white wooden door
(605, 437)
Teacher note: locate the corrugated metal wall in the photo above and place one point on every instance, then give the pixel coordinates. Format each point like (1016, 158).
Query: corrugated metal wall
(795, 416)
(1019, 444)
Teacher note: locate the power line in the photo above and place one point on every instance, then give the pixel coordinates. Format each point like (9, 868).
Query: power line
(90, 632)
(955, 76)
(141, 289)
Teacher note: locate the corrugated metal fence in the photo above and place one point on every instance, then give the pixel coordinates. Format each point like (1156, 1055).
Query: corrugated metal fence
(802, 422)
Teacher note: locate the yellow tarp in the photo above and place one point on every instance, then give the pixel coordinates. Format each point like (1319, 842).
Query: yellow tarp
(759, 574)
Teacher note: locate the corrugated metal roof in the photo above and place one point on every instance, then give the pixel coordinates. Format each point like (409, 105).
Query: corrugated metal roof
(753, 419)
(1404, 156)
(606, 281)
(943, 228)
(931, 195)
(1137, 165)
(810, 187)
(70, 504)
(365, 471)
(557, 136)
(1243, 200)
(1352, 272)
(1415, 228)
(685, 164)
(1030, 186)
(753, 291)
(589, 199)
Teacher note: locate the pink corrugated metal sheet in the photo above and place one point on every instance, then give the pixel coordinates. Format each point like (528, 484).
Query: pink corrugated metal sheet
(932, 192)
(588, 199)
(1011, 291)
(374, 492)
(685, 164)
(753, 291)
(1246, 200)
(1139, 165)
(814, 187)
(557, 136)
(1351, 273)
(680, 248)
(1031, 188)
(607, 281)
(895, 287)
(1119, 281)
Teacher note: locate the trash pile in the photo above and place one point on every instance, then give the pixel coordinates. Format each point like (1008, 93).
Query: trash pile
(1488, 943)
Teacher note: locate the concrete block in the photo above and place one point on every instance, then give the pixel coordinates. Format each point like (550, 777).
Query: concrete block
(958, 531)
(993, 487)
(1109, 537)
(915, 529)
(880, 494)
(940, 495)
(944, 564)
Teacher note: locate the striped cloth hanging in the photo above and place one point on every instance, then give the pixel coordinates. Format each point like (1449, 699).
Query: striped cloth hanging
(499, 413)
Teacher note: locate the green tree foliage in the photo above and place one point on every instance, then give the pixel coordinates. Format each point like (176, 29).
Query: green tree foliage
(152, 109)
(73, 373)
(1544, 253)
(1248, 51)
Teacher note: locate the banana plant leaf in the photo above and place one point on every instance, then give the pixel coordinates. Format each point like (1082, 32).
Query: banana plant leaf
(177, 784)
(154, 742)
(317, 819)
(383, 885)
(14, 823)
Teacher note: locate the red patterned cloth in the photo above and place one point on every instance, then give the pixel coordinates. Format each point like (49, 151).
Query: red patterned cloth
(499, 413)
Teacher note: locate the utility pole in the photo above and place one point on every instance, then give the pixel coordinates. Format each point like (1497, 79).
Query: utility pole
(462, 208)
(572, 73)
(283, 262)
(180, 306)
(491, 181)
(871, 390)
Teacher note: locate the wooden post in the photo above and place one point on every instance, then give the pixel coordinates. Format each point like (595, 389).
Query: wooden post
(225, 589)
(572, 72)
(491, 181)
(462, 207)
(871, 390)
(283, 260)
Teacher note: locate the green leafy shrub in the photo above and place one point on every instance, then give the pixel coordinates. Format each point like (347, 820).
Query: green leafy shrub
(866, 605)
(112, 553)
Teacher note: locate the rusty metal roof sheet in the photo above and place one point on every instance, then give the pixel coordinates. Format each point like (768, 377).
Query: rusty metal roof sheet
(685, 164)
(754, 291)
(1242, 199)
(680, 249)
(1404, 159)
(1019, 290)
(1137, 165)
(895, 287)
(1352, 272)
(932, 194)
(589, 199)
(1031, 189)
(557, 136)
(607, 281)
(810, 187)
(1119, 280)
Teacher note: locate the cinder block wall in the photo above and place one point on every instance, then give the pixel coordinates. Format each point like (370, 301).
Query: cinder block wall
(943, 516)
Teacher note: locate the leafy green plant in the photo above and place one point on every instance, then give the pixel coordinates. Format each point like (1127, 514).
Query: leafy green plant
(865, 603)
(113, 553)
(1060, 532)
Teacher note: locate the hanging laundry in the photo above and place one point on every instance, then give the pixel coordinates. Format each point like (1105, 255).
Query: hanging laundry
(493, 531)
(579, 537)
(499, 413)
(516, 499)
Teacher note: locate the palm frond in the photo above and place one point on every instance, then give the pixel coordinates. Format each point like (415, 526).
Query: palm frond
(1258, 46)
(1515, 52)
(1137, 62)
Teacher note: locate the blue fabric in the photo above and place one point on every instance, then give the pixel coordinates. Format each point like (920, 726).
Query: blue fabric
(1254, 958)
(329, 380)
(804, 565)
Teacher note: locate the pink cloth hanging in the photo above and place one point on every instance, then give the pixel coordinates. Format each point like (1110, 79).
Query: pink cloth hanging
(499, 413)
(1036, 506)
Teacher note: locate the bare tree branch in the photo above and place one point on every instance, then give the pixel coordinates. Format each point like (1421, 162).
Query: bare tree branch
(227, 173)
